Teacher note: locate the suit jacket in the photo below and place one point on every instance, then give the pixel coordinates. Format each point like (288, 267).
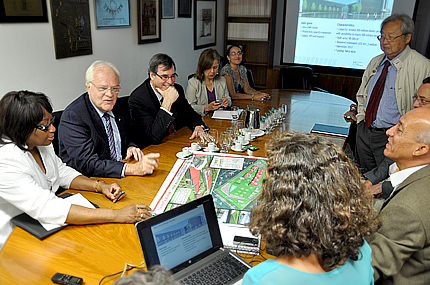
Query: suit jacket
(151, 124)
(401, 246)
(197, 94)
(83, 142)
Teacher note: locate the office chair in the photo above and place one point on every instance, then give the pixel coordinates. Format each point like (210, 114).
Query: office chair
(250, 77)
(296, 77)
(57, 115)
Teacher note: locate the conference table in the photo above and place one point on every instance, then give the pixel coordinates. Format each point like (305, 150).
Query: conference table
(95, 251)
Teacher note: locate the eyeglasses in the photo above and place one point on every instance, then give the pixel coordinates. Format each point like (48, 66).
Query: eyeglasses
(45, 128)
(165, 77)
(389, 39)
(236, 53)
(104, 89)
(420, 101)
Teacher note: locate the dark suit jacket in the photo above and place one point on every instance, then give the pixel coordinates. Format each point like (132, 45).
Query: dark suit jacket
(401, 246)
(83, 142)
(151, 124)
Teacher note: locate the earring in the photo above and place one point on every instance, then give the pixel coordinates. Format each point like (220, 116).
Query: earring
(25, 146)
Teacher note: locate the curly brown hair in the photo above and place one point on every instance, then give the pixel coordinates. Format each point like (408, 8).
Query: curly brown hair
(312, 201)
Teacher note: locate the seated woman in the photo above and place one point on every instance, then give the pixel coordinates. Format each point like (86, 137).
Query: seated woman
(314, 212)
(31, 173)
(235, 75)
(207, 90)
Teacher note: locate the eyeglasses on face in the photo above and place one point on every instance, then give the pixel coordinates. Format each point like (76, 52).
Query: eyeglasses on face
(165, 77)
(420, 100)
(236, 53)
(45, 128)
(389, 38)
(104, 89)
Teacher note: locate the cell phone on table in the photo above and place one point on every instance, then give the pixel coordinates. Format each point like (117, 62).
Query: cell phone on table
(61, 278)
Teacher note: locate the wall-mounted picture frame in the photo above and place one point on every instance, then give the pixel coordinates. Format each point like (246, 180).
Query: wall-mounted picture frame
(184, 8)
(23, 11)
(149, 21)
(204, 23)
(168, 9)
(112, 14)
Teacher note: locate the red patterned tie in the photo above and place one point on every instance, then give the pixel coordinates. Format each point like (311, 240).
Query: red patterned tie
(375, 97)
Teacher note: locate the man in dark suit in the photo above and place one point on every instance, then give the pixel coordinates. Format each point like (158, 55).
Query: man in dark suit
(158, 106)
(401, 246)
(92, 137)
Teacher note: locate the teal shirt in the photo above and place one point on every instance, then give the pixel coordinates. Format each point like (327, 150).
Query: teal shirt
(351, 273)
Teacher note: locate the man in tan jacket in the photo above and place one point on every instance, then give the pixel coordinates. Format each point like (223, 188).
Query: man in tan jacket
(401, 246)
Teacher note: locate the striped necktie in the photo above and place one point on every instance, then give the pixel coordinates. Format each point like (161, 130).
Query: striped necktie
(111, 139)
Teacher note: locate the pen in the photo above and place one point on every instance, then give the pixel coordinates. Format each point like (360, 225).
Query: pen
(119, 197)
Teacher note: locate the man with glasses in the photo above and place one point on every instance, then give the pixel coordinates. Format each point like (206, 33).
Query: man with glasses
(92, 130)
(387, 88)
(158, 106)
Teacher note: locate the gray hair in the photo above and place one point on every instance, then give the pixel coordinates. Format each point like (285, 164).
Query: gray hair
(423, 137)
(160, 59)
(155, 276)
(407, 26)
(89, 75)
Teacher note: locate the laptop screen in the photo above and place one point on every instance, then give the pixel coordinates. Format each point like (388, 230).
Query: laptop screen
(182, 236)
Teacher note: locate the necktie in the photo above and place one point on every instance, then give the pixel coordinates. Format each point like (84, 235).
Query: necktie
(111, 139)
(375, 97)
(171, 127)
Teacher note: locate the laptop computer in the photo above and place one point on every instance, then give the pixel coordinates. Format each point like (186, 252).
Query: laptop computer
(187, 240)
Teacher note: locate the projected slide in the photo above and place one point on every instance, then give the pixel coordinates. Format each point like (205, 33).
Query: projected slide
(340, 33)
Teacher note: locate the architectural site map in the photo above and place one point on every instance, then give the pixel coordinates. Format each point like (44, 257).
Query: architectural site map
(234, 182)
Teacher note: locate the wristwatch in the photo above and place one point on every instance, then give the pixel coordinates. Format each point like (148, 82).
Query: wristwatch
(205, 128)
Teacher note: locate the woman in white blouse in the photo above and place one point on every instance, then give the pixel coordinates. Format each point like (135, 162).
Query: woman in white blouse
(31, 173)
(207, 90)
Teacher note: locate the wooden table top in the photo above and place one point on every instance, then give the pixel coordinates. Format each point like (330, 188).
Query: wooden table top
(94, 251)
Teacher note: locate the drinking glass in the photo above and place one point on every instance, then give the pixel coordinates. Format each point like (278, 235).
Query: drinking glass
(214, 136)
(234, 113)
(224, 142)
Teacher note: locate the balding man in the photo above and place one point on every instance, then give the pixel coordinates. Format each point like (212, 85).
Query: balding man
(401, 246)
(92, 137)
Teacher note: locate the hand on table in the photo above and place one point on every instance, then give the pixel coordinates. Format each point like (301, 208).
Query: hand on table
(133, 213)
(261, 96)
(111, 191)
(135, 152)
(144, 166)
(199, 132)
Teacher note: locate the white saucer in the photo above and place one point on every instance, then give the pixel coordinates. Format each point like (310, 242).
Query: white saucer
(254, 132)
(180, 155)
(238, 150)
(200, 148)
(206, 149)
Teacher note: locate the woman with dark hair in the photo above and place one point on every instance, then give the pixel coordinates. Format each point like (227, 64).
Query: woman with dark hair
(31, 173)
(314, 211)
(237, 81)
(207, 90)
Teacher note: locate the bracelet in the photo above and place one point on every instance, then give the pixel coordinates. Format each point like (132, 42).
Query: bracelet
(97, 185)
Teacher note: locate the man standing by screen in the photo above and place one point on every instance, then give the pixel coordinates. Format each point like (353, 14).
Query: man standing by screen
(388, 86)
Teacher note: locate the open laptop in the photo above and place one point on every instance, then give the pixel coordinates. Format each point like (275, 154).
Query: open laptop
(187, 240)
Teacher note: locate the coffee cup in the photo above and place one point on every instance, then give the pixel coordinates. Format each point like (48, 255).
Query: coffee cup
(248, 136)
(211, 146)
(241, 139)
(237, 145)
(195, 146)
(186, 151)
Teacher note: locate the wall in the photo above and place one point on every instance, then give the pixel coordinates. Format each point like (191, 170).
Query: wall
(27, 55)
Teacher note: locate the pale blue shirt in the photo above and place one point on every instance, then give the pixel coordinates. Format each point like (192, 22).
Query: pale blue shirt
(116, 134)
(160, 98)
(388, 112)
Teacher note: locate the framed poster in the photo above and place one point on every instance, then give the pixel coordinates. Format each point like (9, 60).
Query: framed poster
(23, 11)
(204, 23)
(149, 21)
(184, 8)
(168, 9)
(111, 14)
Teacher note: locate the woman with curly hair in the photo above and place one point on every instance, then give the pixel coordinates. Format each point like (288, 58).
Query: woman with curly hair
(314, 212)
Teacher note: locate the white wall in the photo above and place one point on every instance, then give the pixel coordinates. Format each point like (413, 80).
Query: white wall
(27, 55)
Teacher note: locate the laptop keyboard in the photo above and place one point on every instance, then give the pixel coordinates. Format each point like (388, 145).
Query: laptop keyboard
(220, 272)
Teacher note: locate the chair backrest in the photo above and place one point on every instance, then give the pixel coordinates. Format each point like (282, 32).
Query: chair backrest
(296, 77)
(190, 76)
(122, 105)
(57, 115)
(250, 77)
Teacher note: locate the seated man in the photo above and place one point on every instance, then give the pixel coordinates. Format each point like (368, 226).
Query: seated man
(158, 107)
(91, 133)
(380, 173)
(401, 245)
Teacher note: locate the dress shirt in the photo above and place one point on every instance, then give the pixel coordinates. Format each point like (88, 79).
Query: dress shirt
(116, 135)
(398, 177)
(388, 112)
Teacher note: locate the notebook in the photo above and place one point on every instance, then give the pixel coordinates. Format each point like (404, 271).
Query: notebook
(187, 239)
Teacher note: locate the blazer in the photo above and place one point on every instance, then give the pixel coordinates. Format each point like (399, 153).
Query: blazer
(197, 94)
(150, 123)
(83, 142)
(401, 246)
